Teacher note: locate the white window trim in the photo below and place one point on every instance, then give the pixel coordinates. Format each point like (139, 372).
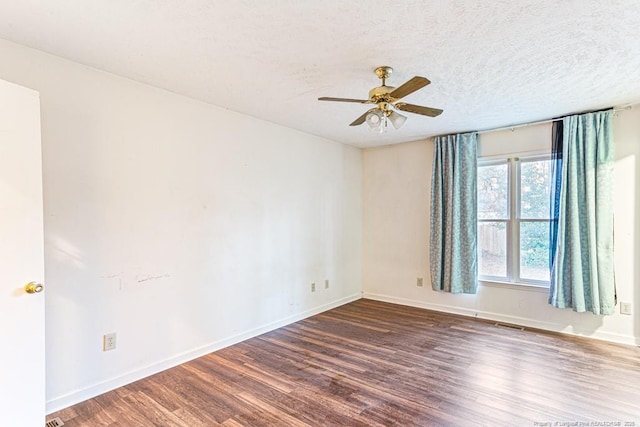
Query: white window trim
(512, 285)
(513, 279)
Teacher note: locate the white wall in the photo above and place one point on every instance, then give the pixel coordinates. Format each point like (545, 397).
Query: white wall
(180, 226)
(396, 198)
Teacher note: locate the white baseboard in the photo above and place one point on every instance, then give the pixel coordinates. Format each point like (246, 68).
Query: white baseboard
(78, 396)
(515, 320)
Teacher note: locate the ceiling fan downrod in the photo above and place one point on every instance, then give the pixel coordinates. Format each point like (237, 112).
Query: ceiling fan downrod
(383, 73)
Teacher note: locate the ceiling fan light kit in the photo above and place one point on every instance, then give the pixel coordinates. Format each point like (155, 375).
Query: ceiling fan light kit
(397, 119)
(386, 98)
(378, 119)
(374, 118)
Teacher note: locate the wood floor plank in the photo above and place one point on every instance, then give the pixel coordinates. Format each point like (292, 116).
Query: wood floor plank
(372, 364)
(282, 416)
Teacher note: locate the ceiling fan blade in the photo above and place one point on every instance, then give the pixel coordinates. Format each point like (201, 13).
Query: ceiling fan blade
(360, 120)
(359, 101)
(409, 87)
(417, 109)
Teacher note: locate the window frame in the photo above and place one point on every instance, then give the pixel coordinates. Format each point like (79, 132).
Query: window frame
(514, 182)
(497, 161)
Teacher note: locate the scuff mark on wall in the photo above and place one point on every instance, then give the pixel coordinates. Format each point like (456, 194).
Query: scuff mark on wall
(148, 278)
(111, 276)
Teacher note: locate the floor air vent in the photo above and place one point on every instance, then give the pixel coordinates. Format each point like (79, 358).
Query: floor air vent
(56, 422)
(503, 325)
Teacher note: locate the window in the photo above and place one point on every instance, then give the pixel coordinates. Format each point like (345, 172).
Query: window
(513, 219)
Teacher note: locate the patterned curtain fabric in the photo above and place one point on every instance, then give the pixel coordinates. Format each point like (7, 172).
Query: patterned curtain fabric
(582, 271)
(453, 255)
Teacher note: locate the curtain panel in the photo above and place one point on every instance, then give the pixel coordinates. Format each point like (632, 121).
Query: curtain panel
(582, 267)
(453, 241)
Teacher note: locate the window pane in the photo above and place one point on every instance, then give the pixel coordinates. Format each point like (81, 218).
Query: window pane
(534, 250)
(493, 192)
(535, 179)
(492, 249)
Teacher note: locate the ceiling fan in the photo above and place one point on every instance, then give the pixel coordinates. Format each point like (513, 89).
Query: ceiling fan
(386, 98)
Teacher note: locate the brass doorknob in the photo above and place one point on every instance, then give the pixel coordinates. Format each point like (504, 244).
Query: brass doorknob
(33, 287)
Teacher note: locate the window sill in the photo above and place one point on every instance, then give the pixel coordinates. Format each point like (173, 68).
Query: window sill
(529, 287)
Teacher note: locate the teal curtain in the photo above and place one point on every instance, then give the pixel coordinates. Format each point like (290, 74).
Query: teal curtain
(582, 270)
(454, 217)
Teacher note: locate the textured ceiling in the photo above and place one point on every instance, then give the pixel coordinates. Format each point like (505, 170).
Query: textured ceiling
(491, 63)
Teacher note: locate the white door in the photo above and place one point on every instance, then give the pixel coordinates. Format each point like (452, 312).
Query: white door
(22, 364)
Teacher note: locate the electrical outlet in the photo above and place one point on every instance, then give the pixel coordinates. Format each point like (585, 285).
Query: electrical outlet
(419, 282)
(326, 284)
(109, 342)
(313, 287)
(625, 308)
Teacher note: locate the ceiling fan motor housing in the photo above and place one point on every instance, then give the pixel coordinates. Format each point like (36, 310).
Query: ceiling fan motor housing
(381, 94)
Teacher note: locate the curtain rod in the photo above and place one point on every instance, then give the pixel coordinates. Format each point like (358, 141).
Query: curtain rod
(540, 122)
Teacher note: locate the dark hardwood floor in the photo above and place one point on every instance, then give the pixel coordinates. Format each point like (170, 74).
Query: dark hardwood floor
(369, 363)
